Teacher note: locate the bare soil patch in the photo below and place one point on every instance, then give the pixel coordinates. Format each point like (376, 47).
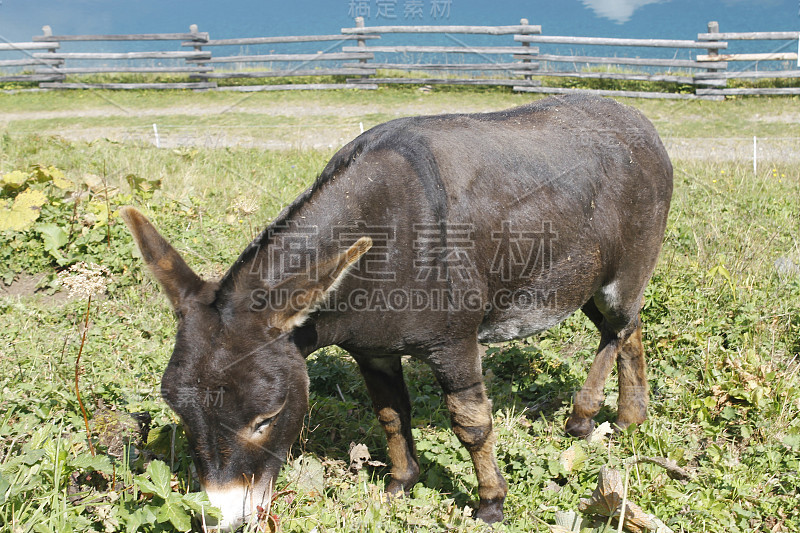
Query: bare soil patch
(26, 286)
(420, 107)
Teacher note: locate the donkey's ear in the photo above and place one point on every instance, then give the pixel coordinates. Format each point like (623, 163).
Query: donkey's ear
(169, 268)
(306, 294)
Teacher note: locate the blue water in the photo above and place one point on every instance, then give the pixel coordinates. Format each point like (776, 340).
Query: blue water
(679, 19)
(20, 19)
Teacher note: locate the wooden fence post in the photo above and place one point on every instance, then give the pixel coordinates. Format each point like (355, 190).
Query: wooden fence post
(47, 31)
(524, 22)
(713, 27)
(361, 43)
(198, 47)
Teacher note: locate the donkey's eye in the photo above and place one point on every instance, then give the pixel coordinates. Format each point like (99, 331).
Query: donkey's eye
(263, 424)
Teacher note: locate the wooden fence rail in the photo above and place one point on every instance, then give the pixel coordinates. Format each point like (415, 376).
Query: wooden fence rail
(749, 36)
(59, 71)
(618, 66)
(723, 75)
(29, 50)
(28, 46)
(605, 41)
(289, 64)
(524, 28)
(195, 36)
(516, 55)
(501, 64)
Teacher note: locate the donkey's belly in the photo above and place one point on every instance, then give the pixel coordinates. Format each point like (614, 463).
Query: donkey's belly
(520, 325)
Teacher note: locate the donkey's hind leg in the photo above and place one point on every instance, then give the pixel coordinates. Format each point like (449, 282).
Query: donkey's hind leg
(621, 341)
(633, 393)
(589, 399)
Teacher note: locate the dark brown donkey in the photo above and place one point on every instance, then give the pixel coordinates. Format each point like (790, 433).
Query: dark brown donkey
(424, 236)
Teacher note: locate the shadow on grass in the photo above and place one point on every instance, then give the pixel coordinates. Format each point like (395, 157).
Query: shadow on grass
(536, 380)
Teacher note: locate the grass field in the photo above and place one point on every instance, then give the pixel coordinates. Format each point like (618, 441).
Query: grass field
(722, 326)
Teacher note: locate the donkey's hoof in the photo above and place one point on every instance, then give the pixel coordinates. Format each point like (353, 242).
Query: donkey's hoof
(401, 485)
(579, 427)
(490, 511)
(397, 489)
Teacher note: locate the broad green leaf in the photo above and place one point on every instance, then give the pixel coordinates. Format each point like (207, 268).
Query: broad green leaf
(307, 473)
(145, 485)
(133, 181)
(792, 441)
(30, 199)
(100, 211)
(158, 433)
(150, 185)
(23, 212)
(32, 457)
(53, 237)
(554, 467)
(58, 178)
(100, 463)
(138, 184)
(160, 474)
(572, 458)
(138, 518)
(14, 180)
(198, 501)
(159, 439)
(172, 510)
(51, 174)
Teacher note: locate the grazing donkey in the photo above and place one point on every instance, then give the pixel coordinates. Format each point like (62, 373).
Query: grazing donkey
(424, 236)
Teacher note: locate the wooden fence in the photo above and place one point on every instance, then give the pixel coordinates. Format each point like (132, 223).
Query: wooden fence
(58, 71)
(496, 63)
(29, 50)
(290, 65)
(518, 55)
(789, 39)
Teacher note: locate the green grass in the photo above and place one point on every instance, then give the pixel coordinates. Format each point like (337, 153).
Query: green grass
(722, 335)
(263, 117)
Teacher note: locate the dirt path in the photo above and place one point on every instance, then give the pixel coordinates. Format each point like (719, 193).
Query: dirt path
(176, 128)
(311, 109)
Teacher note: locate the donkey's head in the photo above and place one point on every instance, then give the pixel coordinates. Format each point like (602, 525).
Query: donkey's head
(236, 377)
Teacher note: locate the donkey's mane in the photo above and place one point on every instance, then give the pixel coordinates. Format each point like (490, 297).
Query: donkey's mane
(338, 164)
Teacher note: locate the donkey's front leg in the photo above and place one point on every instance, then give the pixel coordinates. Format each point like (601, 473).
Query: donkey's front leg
(471, 416)
(389, 394)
